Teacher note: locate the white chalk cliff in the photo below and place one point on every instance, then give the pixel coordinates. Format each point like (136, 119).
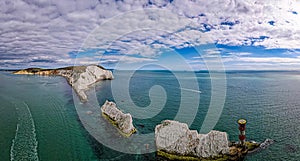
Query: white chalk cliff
(79, 77)
(80, 81)
(175, 138)
(121, 120)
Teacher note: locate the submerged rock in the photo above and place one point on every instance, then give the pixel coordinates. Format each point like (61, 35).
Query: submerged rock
(118, 118)
(175, 138)
(79, 77)
(266, 143)
(260, 146)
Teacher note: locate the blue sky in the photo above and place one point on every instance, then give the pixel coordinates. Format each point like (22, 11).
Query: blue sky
(127, 34)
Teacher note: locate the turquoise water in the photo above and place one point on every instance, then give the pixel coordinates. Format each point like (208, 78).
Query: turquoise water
(38, 119)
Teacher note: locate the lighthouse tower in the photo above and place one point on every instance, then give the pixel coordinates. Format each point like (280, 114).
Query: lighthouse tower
(242, 128)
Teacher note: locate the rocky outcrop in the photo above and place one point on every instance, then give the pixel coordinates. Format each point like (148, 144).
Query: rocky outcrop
(122, 121)
(260, 146)
(173, 137)
(79, 77)
(266, 143)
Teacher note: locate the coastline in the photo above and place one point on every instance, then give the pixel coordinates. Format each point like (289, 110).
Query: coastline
(80, 78)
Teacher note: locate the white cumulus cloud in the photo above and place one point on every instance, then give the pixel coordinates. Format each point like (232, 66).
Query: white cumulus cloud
(40, 28)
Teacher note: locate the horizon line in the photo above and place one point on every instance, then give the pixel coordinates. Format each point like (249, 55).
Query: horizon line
(201, 70)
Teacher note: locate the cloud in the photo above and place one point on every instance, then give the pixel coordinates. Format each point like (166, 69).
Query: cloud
(124, 59)
(49, 30)
(261, 63)
(270, 60)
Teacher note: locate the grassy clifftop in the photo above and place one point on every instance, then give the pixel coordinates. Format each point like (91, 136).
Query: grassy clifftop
(41, 71)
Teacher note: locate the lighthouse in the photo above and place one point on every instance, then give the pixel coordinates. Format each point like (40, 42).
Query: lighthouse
(242, 128)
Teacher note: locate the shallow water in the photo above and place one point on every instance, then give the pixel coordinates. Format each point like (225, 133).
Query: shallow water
(38, 118)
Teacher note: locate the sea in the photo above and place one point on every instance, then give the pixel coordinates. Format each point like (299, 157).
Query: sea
(41, 118)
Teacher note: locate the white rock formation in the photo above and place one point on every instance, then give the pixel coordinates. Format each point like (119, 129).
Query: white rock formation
(122, 121)
(265, 144)
(176, 138)
(81, 79)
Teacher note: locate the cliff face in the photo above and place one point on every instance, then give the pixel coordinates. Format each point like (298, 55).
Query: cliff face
(23, 72)
(79, 77)
(81, 80)
(118, 118)
(175, 138)
(37, 71)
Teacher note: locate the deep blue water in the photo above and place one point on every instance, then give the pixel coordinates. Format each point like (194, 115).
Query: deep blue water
(39, 118)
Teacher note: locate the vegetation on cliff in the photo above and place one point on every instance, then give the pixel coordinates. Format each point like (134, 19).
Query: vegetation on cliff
(79, 77)
(42, 71)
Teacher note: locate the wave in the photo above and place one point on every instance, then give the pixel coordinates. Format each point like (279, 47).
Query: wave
(24, 145)
(190, 90)
(13, 144)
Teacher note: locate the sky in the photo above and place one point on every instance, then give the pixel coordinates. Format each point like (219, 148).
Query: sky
(142, 34)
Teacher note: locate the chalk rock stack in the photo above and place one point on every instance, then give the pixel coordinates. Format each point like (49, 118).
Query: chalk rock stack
(118, 118)
(175, 138)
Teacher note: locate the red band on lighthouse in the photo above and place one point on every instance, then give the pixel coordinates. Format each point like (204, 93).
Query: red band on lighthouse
(242, 137)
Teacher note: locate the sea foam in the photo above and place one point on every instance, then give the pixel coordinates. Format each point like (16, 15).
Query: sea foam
(24, 145)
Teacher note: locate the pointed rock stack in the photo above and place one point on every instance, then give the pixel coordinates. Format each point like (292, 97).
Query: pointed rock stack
(175, 140)
(118, 118)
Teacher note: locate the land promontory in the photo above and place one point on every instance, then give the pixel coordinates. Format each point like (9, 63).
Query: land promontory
(79, 77)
